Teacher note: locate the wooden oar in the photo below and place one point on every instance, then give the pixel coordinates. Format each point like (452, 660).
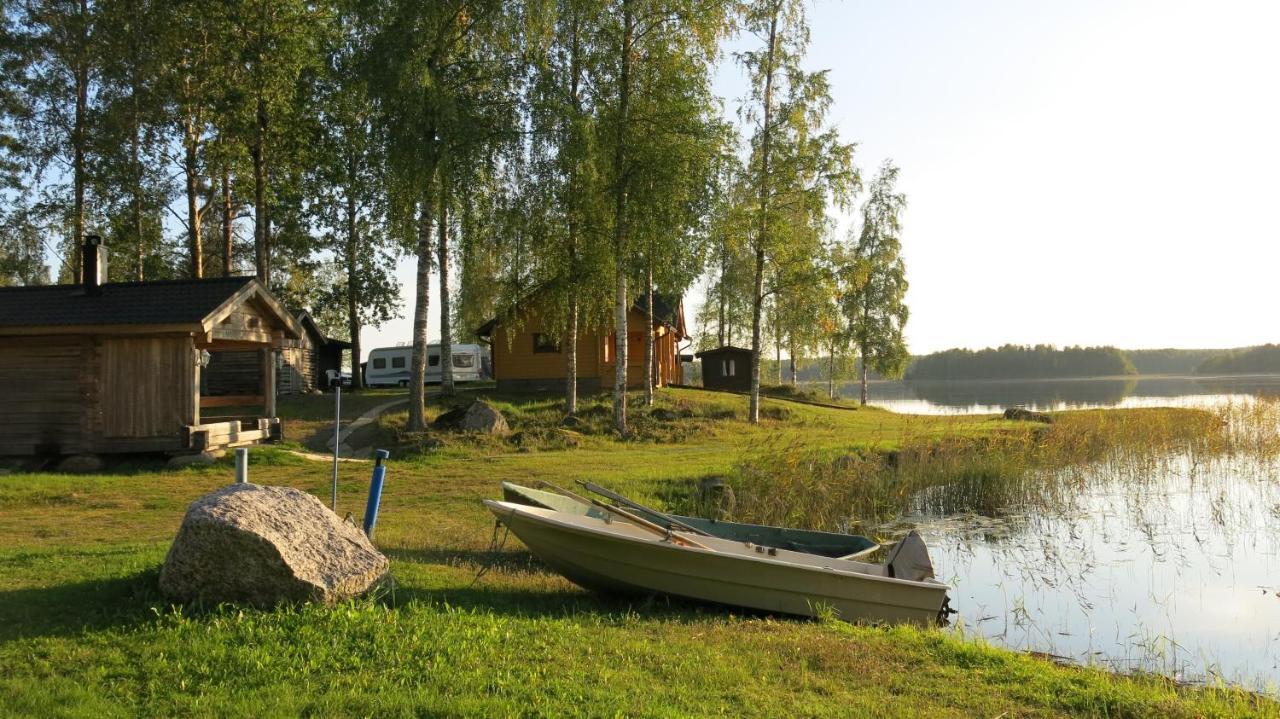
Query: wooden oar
(590, 487)
(638, 521)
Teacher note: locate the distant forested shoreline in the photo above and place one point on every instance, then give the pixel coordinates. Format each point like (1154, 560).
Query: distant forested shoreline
(1051, 362)
(1264, 359)
(1021, 362)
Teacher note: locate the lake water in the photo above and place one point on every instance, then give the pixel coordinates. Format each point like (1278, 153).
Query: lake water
(989, 396)
(1173, 570)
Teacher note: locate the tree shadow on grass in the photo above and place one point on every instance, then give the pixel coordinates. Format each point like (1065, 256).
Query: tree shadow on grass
(79, 607)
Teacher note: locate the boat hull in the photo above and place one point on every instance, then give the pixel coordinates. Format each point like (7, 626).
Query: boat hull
(620, 558)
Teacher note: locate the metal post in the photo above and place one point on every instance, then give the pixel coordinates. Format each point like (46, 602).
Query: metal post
(242, 466)
(375, 491)
(337, 421)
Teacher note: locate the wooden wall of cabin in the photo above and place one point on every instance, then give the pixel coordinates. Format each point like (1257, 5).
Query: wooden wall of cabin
(514, 356)
(48, 395)
(239, 372)
(232, 373)
(148, 386)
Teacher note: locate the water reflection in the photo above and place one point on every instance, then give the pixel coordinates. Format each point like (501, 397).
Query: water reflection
(981, 397)
(1174, 571)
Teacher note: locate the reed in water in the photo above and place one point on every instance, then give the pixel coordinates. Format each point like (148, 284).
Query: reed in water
(1025, 468)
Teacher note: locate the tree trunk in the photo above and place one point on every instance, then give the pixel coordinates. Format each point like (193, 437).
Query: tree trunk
(862, 352)
(831, 372)
(777, 346)
(724, 266)
(446, 330)
(191, 169)
(864, 379)
(571, 358)
(571, 329)
(421, 308)
(261, 216)
(135, 200)
(353, 273)
(622, 303)
(757, 354)
(78, 142)
(649, 332)
(753, 412)
(795, 368)
(228, 246)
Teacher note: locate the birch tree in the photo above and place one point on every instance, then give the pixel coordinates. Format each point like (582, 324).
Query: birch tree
(875, 306)
(796, 165)
(655, 68)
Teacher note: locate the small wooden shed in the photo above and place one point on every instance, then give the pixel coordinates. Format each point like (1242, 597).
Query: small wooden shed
(727, 368)
(98, 368)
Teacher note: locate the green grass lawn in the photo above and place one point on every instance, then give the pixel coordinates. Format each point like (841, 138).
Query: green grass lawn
(83, 631)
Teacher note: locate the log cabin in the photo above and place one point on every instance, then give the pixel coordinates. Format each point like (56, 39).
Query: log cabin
(527, 357)
(116, 367)
(305, 364)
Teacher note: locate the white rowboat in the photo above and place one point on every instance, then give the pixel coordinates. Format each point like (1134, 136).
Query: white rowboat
(613, 555)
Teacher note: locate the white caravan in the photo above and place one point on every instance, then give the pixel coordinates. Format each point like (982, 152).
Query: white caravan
(389, 366)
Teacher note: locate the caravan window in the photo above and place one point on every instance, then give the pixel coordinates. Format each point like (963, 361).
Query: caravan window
(726, 368)
(379, 362)
(544, 343)
(464, 361)
(433, 360)
(397, 362)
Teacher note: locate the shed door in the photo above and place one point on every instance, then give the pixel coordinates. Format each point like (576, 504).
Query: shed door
(148, 386)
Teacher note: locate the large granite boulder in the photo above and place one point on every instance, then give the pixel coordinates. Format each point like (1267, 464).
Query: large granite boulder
(482, 417)
(266, 545)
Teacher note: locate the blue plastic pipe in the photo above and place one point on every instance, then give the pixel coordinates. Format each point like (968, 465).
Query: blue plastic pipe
(375, 491)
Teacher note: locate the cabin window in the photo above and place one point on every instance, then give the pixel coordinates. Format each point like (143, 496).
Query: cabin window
(727, 368)
(397, 362)
(544, 343)
(464, 361)
(379, 362)
(433, 360)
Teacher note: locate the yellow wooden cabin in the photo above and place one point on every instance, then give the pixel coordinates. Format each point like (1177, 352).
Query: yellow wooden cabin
(116, 367)
(526, 358)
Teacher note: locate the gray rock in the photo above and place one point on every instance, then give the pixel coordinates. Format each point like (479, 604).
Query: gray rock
(451, 419)
(1025, 415)
(81, 464)
(481, 417)
(266, 545)
(662, 415)
(571, 421)
(716, 498)
(192, 460)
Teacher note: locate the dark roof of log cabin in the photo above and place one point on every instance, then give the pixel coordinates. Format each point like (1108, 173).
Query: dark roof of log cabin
(160, 302)
(667, 310)
(309, 323)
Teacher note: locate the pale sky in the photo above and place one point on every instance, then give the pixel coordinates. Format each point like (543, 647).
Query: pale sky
(1084, 172)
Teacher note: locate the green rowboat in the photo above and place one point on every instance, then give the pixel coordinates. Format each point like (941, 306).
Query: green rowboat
(808, 541)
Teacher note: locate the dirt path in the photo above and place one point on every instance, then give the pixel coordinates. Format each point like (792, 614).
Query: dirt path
(365, 420)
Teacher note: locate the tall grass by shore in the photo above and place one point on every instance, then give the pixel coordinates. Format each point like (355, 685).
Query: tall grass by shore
(1043, 466)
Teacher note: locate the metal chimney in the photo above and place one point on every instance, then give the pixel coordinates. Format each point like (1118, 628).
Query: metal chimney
(95, 264)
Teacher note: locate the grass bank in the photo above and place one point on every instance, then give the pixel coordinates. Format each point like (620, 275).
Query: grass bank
(83, 632)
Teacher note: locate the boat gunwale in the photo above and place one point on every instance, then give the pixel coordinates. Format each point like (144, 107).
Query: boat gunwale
(811, 535)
